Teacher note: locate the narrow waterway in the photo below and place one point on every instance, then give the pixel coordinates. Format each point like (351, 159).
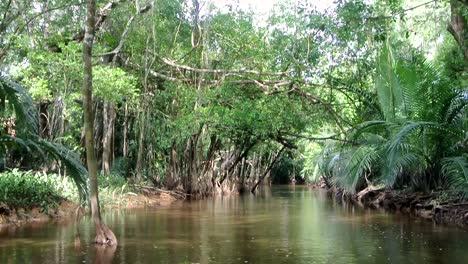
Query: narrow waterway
(287, 224)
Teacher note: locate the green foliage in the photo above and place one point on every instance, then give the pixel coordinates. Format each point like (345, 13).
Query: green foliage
(112, 189)
(113, 181)
(357, 74)
(286, 169)
(75, 168)
(28, 189)
(417, 142)
(388, 87)
(26, 114)
(38, 88)
(455, 169)
(114, 84)
(319, 158)
(353, 165)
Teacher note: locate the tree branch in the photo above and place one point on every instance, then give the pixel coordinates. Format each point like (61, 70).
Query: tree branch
(3, 26)
(403, 11)
(334, 137)
(125, 32)
(100, 19)
(185, 67)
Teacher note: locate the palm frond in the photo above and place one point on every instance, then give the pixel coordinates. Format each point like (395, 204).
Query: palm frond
(371, 126)
(456, 108)
(16, 100)
(404, 161)
(411, 89)
(352, 165)
(455, 170)
(387, 86)
(321, 163)
(404, 132)
(75, 168)
(400, 153)
(16, 97)
(373, 139)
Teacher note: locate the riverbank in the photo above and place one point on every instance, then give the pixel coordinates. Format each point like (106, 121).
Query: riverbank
(140, 197)
(437, 207)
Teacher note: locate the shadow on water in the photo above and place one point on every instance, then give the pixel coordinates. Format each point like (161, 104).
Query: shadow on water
(284, 224)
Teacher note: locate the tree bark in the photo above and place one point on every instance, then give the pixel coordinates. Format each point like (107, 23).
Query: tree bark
(108, 137)
(125, 129)
(103, 234)
(457, 25)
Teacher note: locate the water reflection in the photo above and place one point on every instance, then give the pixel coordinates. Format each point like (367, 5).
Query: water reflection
(279, 225)
(104, 254)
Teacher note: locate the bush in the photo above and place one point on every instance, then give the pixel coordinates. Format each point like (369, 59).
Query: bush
(112, 189)
(28, 189)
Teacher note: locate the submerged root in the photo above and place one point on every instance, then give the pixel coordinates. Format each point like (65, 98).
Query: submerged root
(104, 236)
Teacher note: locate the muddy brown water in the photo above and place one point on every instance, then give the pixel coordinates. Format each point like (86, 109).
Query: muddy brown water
(286, 224)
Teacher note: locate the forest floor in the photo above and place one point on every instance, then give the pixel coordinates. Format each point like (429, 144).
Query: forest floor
(65, 210)
(438, 207)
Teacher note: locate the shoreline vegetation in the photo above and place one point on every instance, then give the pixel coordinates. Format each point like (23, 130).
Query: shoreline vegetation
(439, 207)
(33, 197)
(60, 202)
(369, 96)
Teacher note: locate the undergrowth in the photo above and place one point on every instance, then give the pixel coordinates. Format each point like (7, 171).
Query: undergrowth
(28, 189)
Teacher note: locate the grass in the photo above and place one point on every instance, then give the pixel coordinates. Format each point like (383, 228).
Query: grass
(112, 189)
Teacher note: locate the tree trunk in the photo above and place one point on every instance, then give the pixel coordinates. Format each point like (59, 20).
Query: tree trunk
(108, 137)
(172, 178)
(267, 170)
(125, 129)
(98, 129)
(103, 234)
(140, 157)
(457, 25)
(44, 122)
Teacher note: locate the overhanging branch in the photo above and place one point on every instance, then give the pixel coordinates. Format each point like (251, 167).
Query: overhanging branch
(222, 71)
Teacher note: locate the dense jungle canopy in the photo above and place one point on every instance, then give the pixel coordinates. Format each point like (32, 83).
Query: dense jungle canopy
(213, 97)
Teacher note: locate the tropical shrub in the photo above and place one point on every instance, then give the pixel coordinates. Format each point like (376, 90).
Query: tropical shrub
(418, 138)
(27, 189)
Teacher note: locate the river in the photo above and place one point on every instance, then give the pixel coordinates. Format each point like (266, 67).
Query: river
(285, 224)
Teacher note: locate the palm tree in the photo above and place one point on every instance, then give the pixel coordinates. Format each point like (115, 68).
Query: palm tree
(417, 139)
(17, 105)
